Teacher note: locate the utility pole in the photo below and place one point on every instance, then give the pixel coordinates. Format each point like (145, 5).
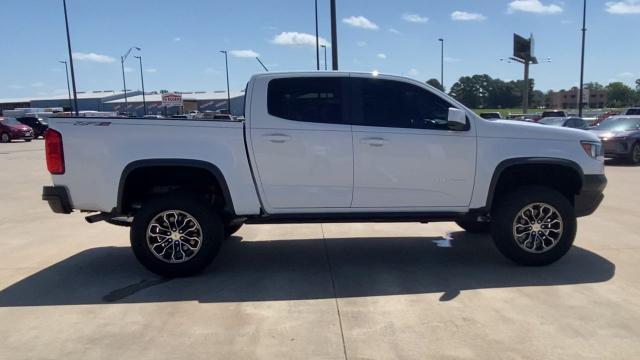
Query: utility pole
(226, 63)
(334, 36)
(144, 99)
(525, 91)
(73, 74)
(584, 33)
(441, 62)
(317, 41)
(66, 69)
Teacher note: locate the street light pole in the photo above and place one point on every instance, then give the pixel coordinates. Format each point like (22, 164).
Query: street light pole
(226, 63)
(144, 100)
(325, 56)
(124, 81)
(334, 36)
(66, 69)
(441, 62)
(73, 74)
(584, 32)
(317, 41)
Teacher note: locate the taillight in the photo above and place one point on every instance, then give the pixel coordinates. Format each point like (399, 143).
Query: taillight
(54, 153)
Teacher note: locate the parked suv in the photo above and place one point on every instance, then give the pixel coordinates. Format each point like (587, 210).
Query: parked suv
(326, 147)
(12, 129)
(620, 137)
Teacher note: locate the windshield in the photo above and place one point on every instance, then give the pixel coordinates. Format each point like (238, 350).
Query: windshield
(552, 121)
(10, 121)
(552, 113)
(619, 124)
(633, 111)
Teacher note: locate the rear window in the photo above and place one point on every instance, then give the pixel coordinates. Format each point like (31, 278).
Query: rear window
(633, 111)
(553, 114)
(310, 99)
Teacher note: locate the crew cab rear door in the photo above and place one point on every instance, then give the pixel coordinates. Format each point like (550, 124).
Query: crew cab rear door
(301, 142)
(405, 156)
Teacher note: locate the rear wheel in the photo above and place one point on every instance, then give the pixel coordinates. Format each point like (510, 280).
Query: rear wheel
(176, 235)
(4, 137)
(474, 227)
(533, 225)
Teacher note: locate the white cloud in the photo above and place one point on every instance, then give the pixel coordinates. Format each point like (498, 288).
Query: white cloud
(626, 74)
(151, 70)
(361, 43)
(533, 6)
(382, 56)
(394, 31)
(415, 18)
(177, 39)
(467, 16)
(413, 72)
(93, 57)
(244, 53)
(623, 7)
(360, 22)
(293, 38)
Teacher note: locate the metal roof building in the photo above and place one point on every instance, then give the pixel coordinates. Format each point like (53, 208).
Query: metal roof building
(87, 100)
(195, 100)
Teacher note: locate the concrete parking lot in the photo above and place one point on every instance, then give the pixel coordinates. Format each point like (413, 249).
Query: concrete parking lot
(70, 290)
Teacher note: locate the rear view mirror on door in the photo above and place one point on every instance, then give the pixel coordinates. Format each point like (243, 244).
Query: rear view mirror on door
(457, 119)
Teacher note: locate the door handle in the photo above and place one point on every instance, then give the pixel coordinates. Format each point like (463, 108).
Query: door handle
(374, 141)
(277, 138)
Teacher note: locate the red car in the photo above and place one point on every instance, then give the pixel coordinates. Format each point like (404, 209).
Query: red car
(12, 129)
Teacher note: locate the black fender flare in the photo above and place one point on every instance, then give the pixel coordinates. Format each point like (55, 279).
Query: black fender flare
(505, 164)
(200, 164)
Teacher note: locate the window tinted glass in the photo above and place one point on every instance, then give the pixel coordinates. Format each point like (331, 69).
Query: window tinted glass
(313, 99)
(391, 103)
(633, 112)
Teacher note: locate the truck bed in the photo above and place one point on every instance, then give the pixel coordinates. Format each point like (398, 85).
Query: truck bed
(97, 150)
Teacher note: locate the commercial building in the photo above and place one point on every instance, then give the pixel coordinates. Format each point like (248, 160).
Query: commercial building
(87, 101)
(568, 99)
(192, 101)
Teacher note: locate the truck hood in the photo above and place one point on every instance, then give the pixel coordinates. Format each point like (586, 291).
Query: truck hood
(527, 130)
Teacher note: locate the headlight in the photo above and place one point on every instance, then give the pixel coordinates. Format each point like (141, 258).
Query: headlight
(592, 148)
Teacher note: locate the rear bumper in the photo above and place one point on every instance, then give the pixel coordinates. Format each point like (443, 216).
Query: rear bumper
(58, 199)
(591, 194)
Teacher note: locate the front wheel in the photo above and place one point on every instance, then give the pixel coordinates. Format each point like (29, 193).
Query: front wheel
(4, 138)
(533, 225)
(176, 235)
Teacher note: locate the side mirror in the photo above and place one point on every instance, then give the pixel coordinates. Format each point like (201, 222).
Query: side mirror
(457, 119)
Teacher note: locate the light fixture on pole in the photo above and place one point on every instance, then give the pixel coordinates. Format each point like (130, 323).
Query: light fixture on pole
(124, 81)
(325, 56)
(73, 74)
(66, 69)
(144, 100)
(226, 63)
(441, 62)
(264, 67)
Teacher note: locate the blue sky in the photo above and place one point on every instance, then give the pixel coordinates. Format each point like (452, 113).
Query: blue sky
(180, 40)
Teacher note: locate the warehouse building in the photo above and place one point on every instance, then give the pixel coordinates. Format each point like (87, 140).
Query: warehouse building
(192, 101)
(87, 101)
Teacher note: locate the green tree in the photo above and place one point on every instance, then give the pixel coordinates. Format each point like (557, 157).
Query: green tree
(619, 94)
(436, 84)
(472, 91)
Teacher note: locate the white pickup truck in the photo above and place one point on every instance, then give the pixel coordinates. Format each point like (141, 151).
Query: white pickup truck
(325, 147)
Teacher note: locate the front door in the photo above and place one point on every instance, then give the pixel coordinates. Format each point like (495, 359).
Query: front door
(302, 144)
(405, 156)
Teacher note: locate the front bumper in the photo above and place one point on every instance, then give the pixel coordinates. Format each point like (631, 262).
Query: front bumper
(58, 199)
(615, 147)
(590, 195)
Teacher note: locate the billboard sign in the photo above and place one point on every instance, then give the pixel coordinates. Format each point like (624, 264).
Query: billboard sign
(171, 100)
(522, 48)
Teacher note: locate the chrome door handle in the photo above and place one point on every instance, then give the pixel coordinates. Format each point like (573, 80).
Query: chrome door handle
(374, 141)
(277, 138)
